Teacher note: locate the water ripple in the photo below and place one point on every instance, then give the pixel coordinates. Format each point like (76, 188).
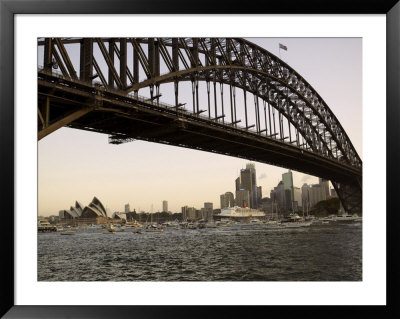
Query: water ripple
(252, 253)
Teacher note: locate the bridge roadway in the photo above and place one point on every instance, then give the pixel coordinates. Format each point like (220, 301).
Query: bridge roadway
(124, 116)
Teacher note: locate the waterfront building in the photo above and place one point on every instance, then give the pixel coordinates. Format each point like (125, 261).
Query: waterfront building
(165, 206)
(297, 200)
(237, 184)
(278, 196)
(265, 205)
(242, 198)
(317, 194)
(253, 191)
(208, 211)
(188, 213)
(227, 200)
(325, 187)
(191, 213)
(287, 179)
(246, 183)
(222, 201)
(259, 195)
(305, 197)
(94, 213)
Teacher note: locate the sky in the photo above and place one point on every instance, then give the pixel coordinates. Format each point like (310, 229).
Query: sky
(78, 165)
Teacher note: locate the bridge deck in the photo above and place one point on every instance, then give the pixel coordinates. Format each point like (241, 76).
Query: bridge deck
(124, 117)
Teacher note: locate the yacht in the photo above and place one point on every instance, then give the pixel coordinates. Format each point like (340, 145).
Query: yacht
(132, 225)
(295, 221)
(68, 232)
(255, 221)
(153, 228)
(44, 226)
(347, 217)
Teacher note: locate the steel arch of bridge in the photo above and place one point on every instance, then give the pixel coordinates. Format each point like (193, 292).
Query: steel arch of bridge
(232, 62)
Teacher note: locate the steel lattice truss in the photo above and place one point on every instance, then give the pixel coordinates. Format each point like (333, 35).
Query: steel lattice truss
(232, 62)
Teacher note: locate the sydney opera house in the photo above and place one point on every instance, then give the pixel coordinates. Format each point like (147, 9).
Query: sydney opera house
(94, 213)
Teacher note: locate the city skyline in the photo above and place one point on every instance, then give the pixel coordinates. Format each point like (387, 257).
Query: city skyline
(143, 173)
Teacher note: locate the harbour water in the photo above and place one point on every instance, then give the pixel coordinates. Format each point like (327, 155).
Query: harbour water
(327, 252)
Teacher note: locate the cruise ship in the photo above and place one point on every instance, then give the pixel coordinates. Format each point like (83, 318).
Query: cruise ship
(240, 212)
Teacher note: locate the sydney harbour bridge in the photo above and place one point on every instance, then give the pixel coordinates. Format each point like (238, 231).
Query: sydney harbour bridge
(229, 96)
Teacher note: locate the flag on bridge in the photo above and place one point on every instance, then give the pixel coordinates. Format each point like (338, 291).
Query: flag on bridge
(281, 46)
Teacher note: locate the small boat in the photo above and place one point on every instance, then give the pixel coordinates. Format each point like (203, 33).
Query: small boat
(272, 224)
(153, 228)
(68, 232)
(132, 225)
(295, 221)
(110, 228)
(255, 221)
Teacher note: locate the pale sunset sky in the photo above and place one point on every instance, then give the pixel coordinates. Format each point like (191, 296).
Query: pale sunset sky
(78, 165)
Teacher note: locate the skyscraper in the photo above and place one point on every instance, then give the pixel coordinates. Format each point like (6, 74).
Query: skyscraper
(259, 194)
(325, 187)
(237, 184)
(253, 191)
(222, 201)
(242, 198)
(208, 211)
(165, 206)
(287, 179)
(305, 197)
(227, 200)
(246, 183)
(127, 209)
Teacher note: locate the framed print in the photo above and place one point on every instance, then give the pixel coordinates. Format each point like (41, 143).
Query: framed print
(163, 144)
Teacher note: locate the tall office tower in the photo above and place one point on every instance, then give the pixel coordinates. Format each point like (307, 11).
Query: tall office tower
(237, 184)
(259, 194)
(165, 206)
(317, 194)
(242, 198)
(229, 199)
(278, 196)
(287, 179)
(246, 183)
(253, 192)
(208, 211)
(191, 213)
(297, 203)
(222, 201)
(184, 211)
(305, 197)
(127, 209)
(325, 187)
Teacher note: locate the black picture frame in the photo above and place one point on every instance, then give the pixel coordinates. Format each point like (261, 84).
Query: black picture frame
(8, 10)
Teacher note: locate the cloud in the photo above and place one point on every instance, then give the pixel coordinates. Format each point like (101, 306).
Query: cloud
(305, 178)
(262, 176)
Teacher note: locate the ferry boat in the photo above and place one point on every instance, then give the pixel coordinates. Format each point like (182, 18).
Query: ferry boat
(241, 212)
(295, 221)
(44, 227)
